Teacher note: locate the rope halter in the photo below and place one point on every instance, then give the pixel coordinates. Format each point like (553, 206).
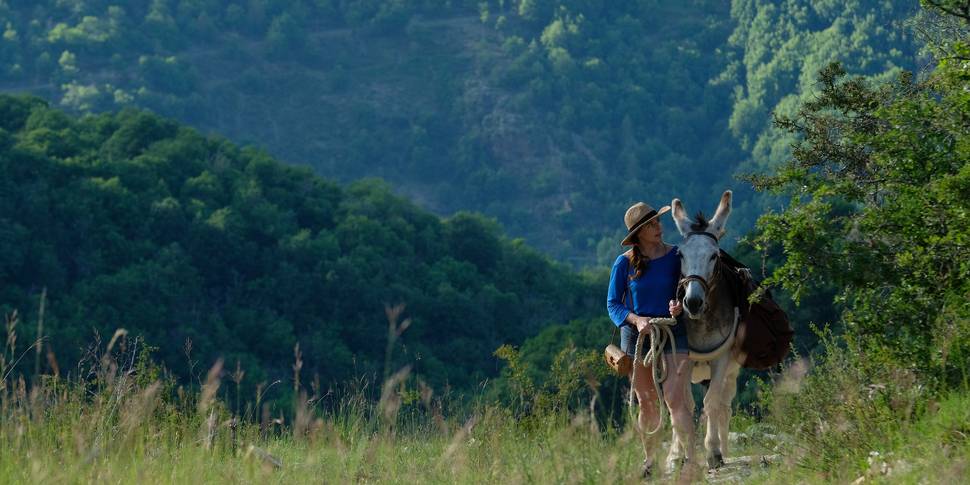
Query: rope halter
(708, 287)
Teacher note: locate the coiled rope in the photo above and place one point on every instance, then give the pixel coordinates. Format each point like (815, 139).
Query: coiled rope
(660, 334)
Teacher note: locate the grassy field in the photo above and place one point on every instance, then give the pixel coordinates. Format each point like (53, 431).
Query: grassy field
(125, 422)
(117, 417)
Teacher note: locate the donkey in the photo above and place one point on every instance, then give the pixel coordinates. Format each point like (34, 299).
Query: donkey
(711, 323)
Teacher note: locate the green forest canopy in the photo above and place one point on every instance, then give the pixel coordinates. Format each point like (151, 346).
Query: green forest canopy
(132, 221)
(874, 236)
(550, 115)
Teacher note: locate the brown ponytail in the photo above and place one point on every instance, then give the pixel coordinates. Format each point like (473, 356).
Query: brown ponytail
(637, 261)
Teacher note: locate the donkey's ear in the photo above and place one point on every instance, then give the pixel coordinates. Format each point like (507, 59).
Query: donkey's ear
(717, 223)
(680, 217)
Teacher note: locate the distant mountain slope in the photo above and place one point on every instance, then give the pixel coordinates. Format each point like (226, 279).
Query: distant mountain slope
(133, 221)
(550, 115)
(781, 47)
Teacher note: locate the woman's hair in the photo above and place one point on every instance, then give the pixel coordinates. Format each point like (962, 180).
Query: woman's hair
(638, 262)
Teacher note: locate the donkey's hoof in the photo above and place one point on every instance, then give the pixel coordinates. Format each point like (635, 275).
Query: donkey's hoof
(646, 470)
(676, 465)
(715, 461)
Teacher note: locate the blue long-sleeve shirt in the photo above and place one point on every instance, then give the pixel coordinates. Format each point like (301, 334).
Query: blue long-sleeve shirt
(649, 294)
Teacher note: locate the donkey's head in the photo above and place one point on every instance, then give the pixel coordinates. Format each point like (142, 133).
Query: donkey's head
(699, 252)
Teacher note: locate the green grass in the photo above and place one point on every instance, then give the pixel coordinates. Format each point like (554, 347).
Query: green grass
(128, 423)
(62, 436)
(931, 449)
(69, 438)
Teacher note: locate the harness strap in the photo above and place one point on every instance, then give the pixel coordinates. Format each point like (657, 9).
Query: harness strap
(701, 233)
(687, 279)
(682, 284)
(721, 348)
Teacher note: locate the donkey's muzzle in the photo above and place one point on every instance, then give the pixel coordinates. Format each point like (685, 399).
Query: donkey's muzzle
(693, 304)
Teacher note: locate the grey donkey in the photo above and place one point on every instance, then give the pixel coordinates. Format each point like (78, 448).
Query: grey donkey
(711, 323)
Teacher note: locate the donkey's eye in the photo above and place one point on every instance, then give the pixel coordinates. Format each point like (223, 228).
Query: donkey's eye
(713, 257)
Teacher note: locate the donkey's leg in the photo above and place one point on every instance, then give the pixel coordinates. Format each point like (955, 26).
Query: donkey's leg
(727, 397)
(714, 412)
(680, 402)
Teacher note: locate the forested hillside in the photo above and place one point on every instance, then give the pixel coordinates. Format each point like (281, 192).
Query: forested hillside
(873, 238)
(550, 115)
(781, 47)
(362, 334)
(133, 221)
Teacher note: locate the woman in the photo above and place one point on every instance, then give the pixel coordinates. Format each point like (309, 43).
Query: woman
(643, 285)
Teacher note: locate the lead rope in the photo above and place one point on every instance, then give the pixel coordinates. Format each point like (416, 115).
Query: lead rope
(660, 334)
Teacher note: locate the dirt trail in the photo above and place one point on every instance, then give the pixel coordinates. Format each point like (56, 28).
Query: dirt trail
(737, 469)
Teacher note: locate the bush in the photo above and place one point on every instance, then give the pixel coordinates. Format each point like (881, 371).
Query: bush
(846, 403)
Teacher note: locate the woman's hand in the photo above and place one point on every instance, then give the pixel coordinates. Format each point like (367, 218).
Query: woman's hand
(675, 307)
(643, 324)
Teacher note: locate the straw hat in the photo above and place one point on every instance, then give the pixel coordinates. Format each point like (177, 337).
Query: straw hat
(636, 216)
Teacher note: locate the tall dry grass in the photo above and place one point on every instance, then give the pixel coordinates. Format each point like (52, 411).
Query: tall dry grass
(120, 418)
